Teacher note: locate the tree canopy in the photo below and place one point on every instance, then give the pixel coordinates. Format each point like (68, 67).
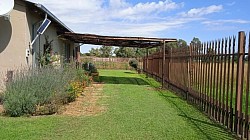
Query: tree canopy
(103, 51)
(95, 52)
(179, 44)
(106, 51)
(196, 41)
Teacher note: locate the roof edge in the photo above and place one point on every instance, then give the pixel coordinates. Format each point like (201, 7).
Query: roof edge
(50, 14)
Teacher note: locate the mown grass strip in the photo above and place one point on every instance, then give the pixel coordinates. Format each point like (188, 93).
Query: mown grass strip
(136, 109)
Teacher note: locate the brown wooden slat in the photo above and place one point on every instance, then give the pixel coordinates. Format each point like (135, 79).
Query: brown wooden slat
(206, 94)
(220, 85)
(210, 79)
(232, 85)
(204, 76)
(224, 82)
(228, 78)
(217, 79)
(214, 78)
(247, 92)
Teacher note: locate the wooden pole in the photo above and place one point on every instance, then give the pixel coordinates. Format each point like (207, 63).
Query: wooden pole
(147, 63)
(163, 63)
(239, 81)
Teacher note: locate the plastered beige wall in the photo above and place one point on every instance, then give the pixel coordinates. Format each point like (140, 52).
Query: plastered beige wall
(15, 36)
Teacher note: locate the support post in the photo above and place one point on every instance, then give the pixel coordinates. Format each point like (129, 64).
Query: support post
(163, 63)
(147, 63)
(239, 80)
(240, 68)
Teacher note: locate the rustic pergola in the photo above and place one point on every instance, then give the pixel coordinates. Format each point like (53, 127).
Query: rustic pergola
(135, 42)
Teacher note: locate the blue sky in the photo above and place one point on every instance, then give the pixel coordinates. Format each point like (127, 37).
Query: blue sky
(181, 19)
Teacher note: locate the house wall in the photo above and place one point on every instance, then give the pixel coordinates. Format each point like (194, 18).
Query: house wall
(14, 38)
(16, 35)
(58, 45)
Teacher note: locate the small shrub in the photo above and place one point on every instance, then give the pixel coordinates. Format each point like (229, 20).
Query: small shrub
(85, 66)
(74, 90)
(133, 63)
(90, 67)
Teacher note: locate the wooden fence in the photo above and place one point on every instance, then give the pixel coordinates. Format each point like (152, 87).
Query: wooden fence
(112, 63)
(214, 76)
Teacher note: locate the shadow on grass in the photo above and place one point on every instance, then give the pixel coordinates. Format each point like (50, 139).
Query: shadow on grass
(208, 129)
(123, 80)
(129, 72)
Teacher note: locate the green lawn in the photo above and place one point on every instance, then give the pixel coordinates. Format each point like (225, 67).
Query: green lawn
(136, 109)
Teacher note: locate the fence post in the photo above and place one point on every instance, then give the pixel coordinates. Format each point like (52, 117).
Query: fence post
(169, 65)
(147, 63)
(163, 63)
(239, 80)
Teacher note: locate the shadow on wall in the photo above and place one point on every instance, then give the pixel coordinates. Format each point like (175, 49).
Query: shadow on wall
(5, 33)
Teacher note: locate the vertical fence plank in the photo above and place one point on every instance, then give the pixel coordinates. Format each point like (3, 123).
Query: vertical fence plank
(207, 80)
(216, 70)
(214, 78)
(202, 76)
(199, 73)
(247, 91)
(224, 81)
(217, 79)
(228, 78)
(211, 78)
(189, 71)
(194, 65)
(232, 86)
(220, 87)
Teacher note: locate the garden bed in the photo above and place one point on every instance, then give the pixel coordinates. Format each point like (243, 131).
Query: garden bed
(43, 91)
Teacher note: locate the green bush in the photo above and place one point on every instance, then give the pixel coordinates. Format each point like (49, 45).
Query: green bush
(133, 63)
(92, 68)
(39, 91)
(89, 67)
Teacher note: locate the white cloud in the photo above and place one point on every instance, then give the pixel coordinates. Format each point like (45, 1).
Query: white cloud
(221, 22)
(142, 10)
(98, 10)
(198, 12)
(128, 29)
(114, 16)
(225, 25)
